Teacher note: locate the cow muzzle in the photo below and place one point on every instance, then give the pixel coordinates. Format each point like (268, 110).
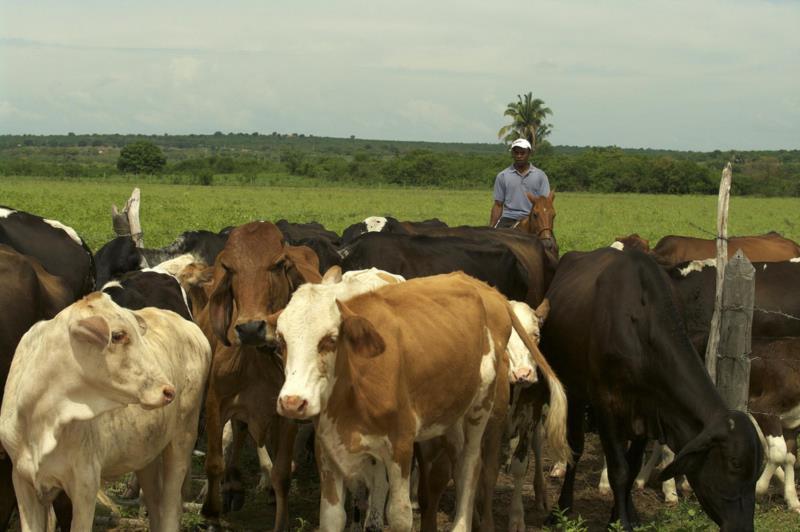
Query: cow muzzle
(161, 396)
(252, 332)
(293, 406)
(524, 376)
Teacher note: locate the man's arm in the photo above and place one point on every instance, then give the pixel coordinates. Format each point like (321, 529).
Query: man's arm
(497, 210)
(544, 186)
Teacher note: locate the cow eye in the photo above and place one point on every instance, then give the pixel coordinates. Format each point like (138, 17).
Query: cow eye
(327, 344)
(119, 337)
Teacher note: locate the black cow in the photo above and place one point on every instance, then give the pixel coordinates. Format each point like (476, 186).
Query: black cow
(616, 340)
(139, 289)
(776, 287)
(121, 255)
(387, 224)
(295, 232)
(59, 249)
(326, 252)
(419, 256)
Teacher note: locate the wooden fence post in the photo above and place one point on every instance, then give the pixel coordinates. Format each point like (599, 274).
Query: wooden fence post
(126, 223)
(722, 258)
(733, 371)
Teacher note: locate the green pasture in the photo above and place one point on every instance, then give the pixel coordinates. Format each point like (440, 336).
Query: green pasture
(584, 220)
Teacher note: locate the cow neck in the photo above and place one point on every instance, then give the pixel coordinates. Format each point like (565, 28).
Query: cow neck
(693, 402)
(365, 391)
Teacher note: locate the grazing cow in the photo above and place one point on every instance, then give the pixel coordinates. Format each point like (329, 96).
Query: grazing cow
(57, 247)
(771, 247)
(27, 294)
(254, 276)
(373, 392)
(80, 407)
(540, 220)
(419, 255)
(775, 298)
(614, 310)
(387, 224)
(294, 232)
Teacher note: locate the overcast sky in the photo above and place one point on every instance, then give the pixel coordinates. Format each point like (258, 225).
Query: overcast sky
(682, 74)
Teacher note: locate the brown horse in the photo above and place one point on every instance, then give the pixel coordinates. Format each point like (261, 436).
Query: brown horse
(539, 221)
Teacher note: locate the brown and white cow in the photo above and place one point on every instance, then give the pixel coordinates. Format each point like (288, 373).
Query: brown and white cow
(254, 276)
(99, 391)
(373, 390)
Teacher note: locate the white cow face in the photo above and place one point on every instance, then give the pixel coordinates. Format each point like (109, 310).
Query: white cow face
(308, 333)
(109, 344)
(522, 367)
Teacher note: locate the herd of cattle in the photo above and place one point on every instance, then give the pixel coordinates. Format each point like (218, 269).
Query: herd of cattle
(411, 346)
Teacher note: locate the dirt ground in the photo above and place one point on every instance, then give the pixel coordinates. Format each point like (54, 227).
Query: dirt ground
(257, 514)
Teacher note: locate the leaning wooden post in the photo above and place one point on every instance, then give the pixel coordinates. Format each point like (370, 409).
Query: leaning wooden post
(126, 223)
(733, 371)
(722, 259)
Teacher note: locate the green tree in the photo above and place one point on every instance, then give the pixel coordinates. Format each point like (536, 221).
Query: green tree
(528, 116)
(142, 157)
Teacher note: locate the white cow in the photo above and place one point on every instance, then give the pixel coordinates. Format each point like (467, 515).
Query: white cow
(99, 391)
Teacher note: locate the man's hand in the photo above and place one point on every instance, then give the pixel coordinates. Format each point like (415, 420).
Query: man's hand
(497, 211)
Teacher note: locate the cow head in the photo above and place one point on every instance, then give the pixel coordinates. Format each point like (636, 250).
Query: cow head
(312, 331)
(255, 274)
(109, 344)
(722, 464)
(522, 367)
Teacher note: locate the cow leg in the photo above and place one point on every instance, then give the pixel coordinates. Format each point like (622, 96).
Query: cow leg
(332, 515)
(82, 491)
(399, 513)
(634, 456)
(175, 464)
(575, 435)
(63, 510)
(539, 487)
(7, 498)
(647, 470)
(214, 460)
(32, 513)
(232, 486)
(265, 464)
(668, 487)
(435, 472)
(378, 490)
(620, 465)
(468, 469)
(789, 487)
(281, 474)
(519, 467)
(774, 449)
(150, 482)
(603, 486)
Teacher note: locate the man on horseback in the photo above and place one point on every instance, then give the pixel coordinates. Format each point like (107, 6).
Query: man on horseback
(511, 204)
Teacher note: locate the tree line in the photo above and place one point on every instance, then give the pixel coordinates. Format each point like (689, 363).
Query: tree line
(267, 159)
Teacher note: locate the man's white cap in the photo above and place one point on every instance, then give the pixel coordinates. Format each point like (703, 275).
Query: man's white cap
(521, 143)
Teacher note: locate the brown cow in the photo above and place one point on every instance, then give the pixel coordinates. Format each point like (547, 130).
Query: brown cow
(771, 247)
(632, 241)
(27, 294)
(254, 276)
(540, 220)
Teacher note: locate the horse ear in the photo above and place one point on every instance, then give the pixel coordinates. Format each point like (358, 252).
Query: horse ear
(530, 197)
(552, 196)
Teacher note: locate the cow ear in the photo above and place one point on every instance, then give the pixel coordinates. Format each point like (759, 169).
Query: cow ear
(542, 311)
(142, 324)
(221, 307)
(695, 450)
(93, 331)
(358, 334)
(301, 267)
(333, 275)
(530, 197)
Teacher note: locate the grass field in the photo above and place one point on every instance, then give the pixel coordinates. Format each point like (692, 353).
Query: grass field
(584, 221)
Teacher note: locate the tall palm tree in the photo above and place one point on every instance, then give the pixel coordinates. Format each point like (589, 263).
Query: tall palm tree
(528, 115)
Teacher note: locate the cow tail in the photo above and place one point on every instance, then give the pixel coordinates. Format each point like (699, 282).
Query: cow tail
(555, 426)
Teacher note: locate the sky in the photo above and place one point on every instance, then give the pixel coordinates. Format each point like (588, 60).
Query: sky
(672, 74)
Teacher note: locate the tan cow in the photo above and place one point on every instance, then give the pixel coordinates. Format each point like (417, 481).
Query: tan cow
(254, 276)
(97, 392)
(405, 363)
(771, 247)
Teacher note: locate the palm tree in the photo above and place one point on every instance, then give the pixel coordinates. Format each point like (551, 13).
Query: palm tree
(528, 115)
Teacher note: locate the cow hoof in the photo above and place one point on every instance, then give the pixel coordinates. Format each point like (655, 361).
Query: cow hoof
(639, 484)
(540, 505)
(558, 471)
(232, 501)
(605, 493)
(209, 511)
(516, 525)
(796, 509)
(671, 499)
